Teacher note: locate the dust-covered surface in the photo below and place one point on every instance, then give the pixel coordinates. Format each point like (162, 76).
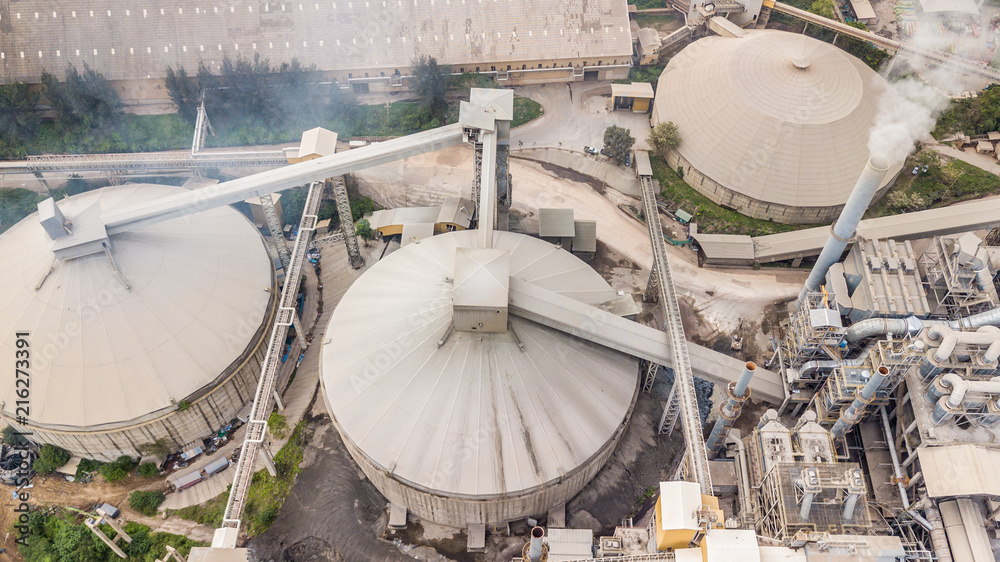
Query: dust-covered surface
(642, 459)
(332, 513)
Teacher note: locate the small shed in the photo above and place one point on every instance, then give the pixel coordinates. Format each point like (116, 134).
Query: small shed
(482, 288)
(257, 211)
(864, 11)
(323, 227)
(637, 96)
(649, 45)
(683, 216)
(585, 239)
(315, 143)
(557, 226)
(984, 147)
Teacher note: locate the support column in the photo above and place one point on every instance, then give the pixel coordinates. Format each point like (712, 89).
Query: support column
(347, 222)
(265, 457)
(274, 225)
(652, 292)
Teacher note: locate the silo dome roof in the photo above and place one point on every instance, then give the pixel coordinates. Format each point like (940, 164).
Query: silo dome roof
(476, 416)
(779, 117)
(103, 353)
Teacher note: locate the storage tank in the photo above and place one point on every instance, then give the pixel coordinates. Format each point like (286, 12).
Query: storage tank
(472, 427)
(772, 124)
(151, 344)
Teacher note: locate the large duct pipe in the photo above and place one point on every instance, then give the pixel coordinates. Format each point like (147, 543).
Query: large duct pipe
(939, 539)
(984, 335)
(852, 414)
(882, 326)
(535, 546)
(912, 325)
(955, 388)
(738, 393)
(847, 223)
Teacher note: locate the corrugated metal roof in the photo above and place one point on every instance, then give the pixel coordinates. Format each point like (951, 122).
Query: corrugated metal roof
(725, 247)
(649, 39)
(749, 119)
(633, 90)
(863, 9)
(959, 470)
(642, 165)
(415, 232)
(107, 354)
(456, 210)
(404, 215)
(475, 416)
(585, 236)
(125, 41)
(570, 544)
(556, 223)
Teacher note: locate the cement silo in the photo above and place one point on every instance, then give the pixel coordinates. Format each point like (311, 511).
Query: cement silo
(772, 124)
(459, 415)
(154, 338)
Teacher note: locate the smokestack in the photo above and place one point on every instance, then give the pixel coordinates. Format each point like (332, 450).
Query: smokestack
(847, 223)
(738, 393)
(535, 546)
(852, 414)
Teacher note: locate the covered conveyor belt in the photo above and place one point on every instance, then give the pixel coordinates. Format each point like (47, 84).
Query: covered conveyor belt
(965, 217)
(282, 178)
(593, 324)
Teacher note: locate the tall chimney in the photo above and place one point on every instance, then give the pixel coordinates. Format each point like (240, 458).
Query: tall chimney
(847, 223)
(737, 393)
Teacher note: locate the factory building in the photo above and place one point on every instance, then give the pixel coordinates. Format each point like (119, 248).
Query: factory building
(153, 337)
(367, 46)
(772, 124)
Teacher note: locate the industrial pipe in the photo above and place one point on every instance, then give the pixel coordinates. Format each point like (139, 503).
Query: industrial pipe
(809, 482)
(843, 230)
(882, 326)
(898, 473)
(738, 393)
(939, 539)
(912, 325)
(741, 459)
(535, 546)
(985, 335)
(863, 396)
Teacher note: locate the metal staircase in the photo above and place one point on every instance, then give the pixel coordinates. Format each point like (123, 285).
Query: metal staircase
(347, 222)
(257, 424)
(697, 454)
(267, 205)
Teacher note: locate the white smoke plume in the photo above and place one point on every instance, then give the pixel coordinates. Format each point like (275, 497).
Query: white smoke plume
(907, 112)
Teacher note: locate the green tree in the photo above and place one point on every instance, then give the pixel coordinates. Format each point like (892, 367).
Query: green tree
(11, 437)
(431, 83)
(50, 458)
(84, 98)
(823, 8)
(618, 143)
(148, 470)
(146, 502)
(117, 470)
(364, 229)
(183, 92)
(664, 138)
(18, 111)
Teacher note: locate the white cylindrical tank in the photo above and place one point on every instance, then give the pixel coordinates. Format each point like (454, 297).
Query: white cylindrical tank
(474, 431)
(145, 348)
